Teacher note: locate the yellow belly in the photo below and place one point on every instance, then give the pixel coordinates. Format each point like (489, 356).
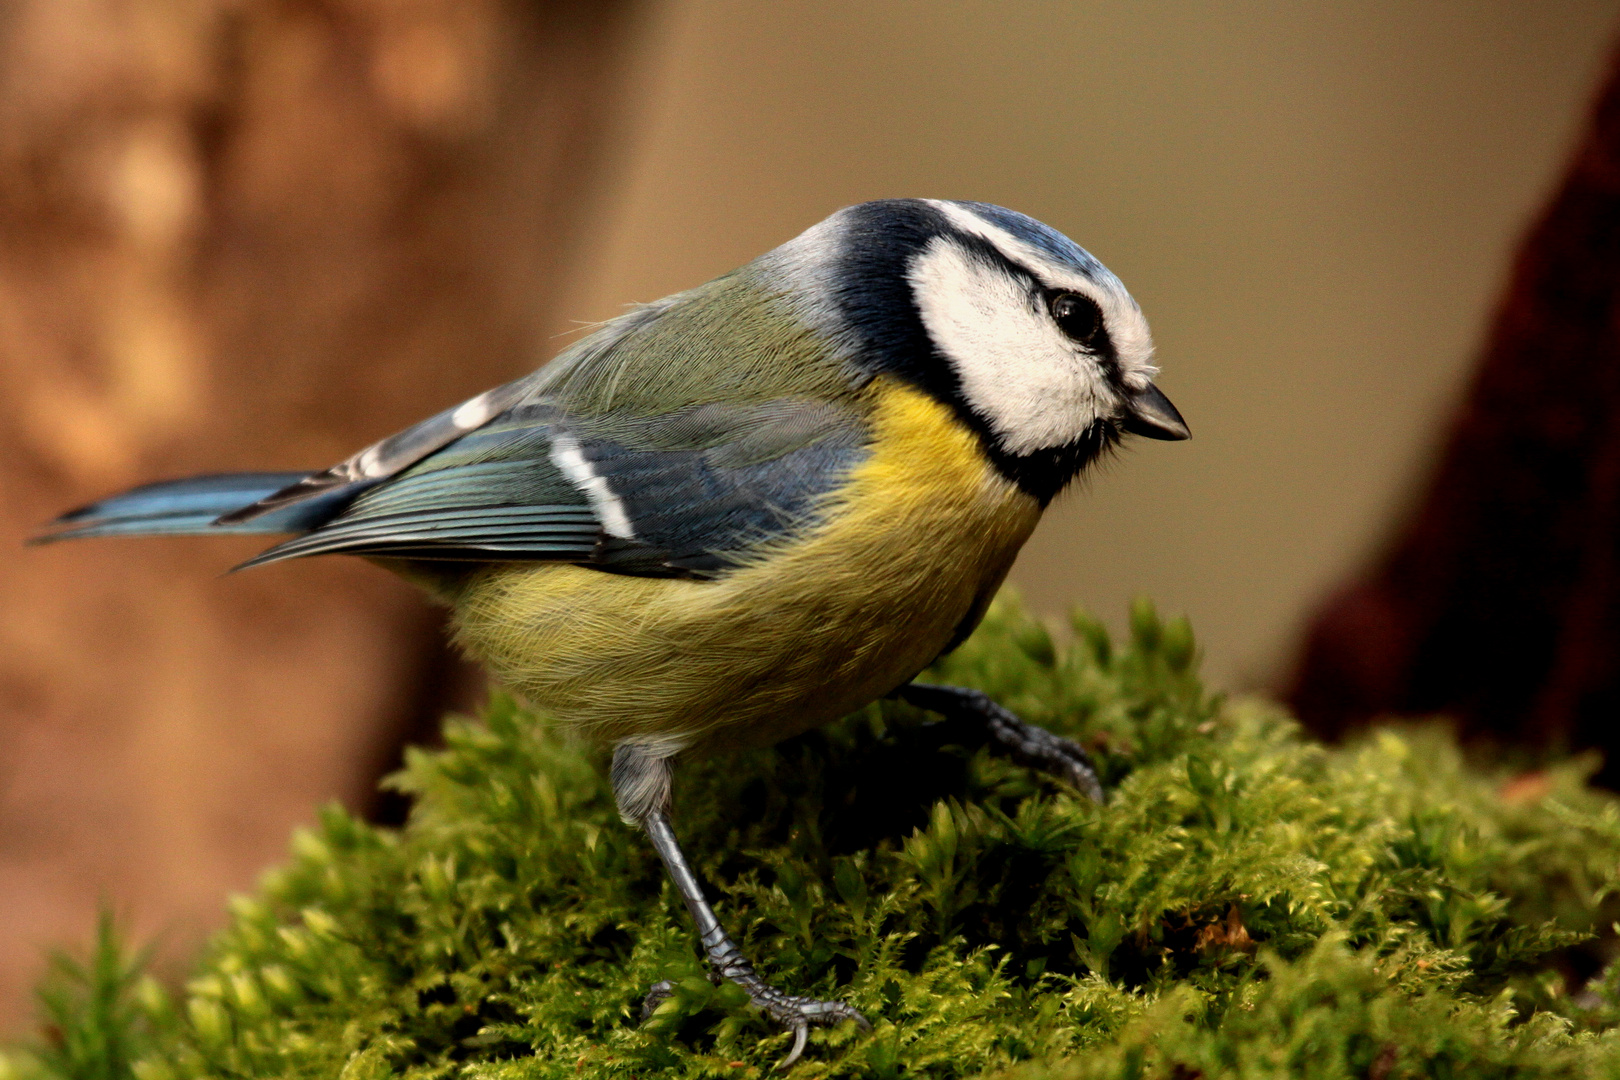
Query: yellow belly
(812, 629)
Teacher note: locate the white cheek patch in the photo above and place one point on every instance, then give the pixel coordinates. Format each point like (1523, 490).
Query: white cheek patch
(1016, 368)
(1127, 328)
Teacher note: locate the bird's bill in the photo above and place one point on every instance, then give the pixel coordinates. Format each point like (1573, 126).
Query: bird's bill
(1153, 417)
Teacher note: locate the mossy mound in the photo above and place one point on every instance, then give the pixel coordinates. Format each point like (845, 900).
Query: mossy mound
(1249, 903)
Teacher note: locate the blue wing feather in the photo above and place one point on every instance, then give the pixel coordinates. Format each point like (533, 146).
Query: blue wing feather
(704, 515)
(699, 489)
(190, 506)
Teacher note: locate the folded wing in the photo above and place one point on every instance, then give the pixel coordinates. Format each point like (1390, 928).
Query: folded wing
(689, 493)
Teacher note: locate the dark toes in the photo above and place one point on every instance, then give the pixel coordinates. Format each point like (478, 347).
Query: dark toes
(797, 1014)
(657, 994)
(794, 1011)
(1078, 770)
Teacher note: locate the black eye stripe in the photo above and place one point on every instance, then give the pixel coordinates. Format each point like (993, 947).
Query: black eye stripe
(1086, 328)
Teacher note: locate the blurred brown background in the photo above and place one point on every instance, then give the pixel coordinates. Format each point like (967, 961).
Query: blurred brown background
(261, 233)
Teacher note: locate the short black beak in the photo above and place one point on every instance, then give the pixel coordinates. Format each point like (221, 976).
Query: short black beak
(1153, 417)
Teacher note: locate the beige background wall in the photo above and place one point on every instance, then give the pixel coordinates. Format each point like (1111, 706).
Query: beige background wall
(1314, 203)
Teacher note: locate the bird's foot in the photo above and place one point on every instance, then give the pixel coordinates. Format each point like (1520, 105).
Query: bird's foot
(1050, 753)
(1025, 743)
(657, 994)
(726, 961)
(796, 1014)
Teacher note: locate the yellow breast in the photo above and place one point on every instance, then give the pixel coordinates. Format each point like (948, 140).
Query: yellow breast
(923, 532)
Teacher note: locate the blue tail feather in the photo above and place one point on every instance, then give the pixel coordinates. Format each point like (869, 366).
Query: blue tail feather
(180, 507)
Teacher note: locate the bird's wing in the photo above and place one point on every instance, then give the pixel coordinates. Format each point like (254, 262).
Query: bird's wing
(387, 458)
(689, 492)
(673, 440)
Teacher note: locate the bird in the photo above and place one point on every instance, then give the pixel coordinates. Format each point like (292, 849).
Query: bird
(726, 517)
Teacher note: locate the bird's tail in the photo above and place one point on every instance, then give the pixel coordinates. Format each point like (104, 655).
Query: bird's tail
(187, 507)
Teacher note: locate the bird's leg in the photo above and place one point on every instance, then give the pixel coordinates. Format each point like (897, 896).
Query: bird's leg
(641, 785)
(1024, 743)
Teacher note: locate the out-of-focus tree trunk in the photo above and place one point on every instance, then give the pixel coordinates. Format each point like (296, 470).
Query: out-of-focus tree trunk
(1498, 603)
(241, 235)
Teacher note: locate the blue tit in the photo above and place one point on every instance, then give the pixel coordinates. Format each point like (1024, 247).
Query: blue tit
(747, 509)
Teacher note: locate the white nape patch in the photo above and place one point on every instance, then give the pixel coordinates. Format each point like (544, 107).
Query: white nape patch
(1035, 387)
(567, 456)
(472, 412)
(1127, 327)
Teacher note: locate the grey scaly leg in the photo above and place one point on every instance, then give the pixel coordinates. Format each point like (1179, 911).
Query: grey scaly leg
(641, 786)
(1024, 743)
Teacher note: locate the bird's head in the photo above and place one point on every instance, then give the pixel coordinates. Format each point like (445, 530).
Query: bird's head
(1034, 343)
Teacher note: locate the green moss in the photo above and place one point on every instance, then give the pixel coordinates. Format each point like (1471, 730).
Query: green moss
(1250, 903)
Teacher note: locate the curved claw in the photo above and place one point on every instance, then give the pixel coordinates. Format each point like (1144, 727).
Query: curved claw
(797, 1014)
(801, 1034)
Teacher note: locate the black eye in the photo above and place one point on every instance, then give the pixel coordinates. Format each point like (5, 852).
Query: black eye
(1076, 316)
